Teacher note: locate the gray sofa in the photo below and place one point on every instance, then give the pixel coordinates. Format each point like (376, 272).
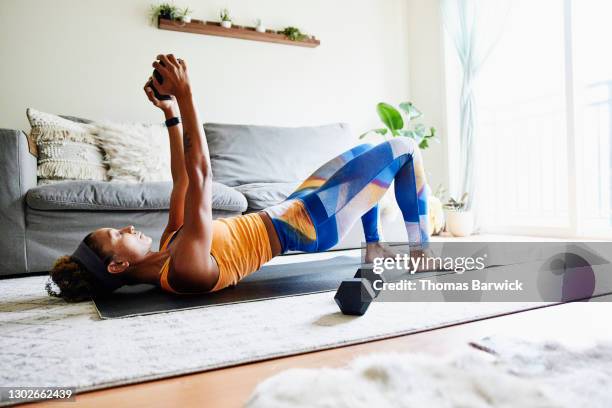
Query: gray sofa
(253, 167)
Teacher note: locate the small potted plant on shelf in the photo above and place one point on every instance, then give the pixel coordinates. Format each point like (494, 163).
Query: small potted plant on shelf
(259, 27)
(293, 34)
(185, 15)
(165, 10)
(459, 220)
(226, 20)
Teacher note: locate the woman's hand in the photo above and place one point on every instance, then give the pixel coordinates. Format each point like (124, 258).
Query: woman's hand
(174, 74)
(167, 106)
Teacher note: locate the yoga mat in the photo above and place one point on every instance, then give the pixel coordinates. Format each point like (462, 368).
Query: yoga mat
(302, 278)
(269, 282)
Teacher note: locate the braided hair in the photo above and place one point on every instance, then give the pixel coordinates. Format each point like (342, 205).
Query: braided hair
(75, 283)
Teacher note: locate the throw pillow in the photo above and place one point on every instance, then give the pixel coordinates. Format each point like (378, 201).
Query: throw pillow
(66, 150)
(245, 154)
(135, 152)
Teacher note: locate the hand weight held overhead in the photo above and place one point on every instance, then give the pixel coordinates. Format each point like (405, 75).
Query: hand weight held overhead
(159, 79)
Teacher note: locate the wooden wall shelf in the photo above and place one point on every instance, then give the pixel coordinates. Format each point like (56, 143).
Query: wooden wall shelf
(245, 33)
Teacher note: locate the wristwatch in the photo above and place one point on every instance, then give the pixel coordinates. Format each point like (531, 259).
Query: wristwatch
(172, 121)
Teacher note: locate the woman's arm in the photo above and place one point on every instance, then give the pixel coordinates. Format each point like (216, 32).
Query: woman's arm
(193, 267)
(179, 177)
(177, 163)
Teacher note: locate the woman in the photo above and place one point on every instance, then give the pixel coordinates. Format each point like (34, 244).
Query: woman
(199, 254)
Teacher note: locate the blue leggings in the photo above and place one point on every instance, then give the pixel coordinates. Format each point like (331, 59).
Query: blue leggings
(327, 204)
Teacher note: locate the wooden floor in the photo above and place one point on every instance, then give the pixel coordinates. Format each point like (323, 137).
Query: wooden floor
(575, 324)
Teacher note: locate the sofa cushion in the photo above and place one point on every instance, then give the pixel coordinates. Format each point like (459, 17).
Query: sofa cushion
(135, 152)
(243, 154)
(263, 195)
(67, 150)
(106, 196)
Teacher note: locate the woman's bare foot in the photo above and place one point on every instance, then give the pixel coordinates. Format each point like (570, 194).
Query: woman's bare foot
(379, 250)
(417, 256)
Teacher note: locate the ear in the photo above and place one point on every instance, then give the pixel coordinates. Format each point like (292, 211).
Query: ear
(117, 267)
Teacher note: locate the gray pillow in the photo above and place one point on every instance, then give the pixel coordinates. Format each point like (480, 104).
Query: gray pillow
(244, 154)
(264, 195)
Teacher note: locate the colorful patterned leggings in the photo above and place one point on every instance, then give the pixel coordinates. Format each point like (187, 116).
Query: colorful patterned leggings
(326, 205)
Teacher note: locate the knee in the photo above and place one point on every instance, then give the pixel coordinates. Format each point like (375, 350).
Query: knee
(403, 145)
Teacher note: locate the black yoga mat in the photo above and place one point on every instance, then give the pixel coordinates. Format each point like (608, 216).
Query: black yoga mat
(269, 282)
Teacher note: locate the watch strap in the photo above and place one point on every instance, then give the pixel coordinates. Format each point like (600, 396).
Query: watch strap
(172, 121)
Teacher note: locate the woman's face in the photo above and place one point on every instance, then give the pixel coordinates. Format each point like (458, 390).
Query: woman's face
(126, 244)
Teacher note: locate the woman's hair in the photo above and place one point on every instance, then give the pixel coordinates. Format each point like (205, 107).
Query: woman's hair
(74, 281)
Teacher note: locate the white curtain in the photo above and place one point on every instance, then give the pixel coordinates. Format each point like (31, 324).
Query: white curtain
(475, 26)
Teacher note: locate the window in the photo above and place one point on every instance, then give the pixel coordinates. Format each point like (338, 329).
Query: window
(544, 99)
(593, 85)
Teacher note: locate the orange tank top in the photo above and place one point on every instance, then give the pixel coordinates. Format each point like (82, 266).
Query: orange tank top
(240, 246)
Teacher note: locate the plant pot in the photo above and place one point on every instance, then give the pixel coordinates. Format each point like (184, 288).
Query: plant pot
(186, 19)
(460, 223)
(226, 24)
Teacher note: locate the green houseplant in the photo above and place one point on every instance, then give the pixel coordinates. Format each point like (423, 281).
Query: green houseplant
(226, 20)
(166, 10)
(293, 34)
(185, 15)
(459, 220)
(456, 205)
(259, 26)
(398, 124)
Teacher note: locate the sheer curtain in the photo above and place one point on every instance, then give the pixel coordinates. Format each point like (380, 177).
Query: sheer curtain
(475, 27)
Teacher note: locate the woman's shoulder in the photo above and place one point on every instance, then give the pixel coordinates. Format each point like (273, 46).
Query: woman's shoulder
(184, 274)
(168, 239)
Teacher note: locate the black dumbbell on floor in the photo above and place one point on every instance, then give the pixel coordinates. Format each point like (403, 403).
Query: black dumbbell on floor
(355, 295)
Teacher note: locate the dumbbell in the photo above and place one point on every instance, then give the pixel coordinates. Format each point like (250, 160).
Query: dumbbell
(160, 79)
(355, 295)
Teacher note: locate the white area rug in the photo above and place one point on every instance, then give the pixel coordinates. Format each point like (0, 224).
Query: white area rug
(47, 342)
(519, 374)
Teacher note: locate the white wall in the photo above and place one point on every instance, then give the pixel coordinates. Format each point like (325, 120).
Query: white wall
(91, 58)
(427, 81)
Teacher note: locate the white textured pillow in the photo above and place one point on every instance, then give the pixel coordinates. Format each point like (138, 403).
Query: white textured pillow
(66, 150)
(135, 152)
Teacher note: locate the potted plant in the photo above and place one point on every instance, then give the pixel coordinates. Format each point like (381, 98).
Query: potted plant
(397, 124)
(226, 20)
(259, 27)
(165, 10)
(459, 220)
(185, 15)
(293, 34)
